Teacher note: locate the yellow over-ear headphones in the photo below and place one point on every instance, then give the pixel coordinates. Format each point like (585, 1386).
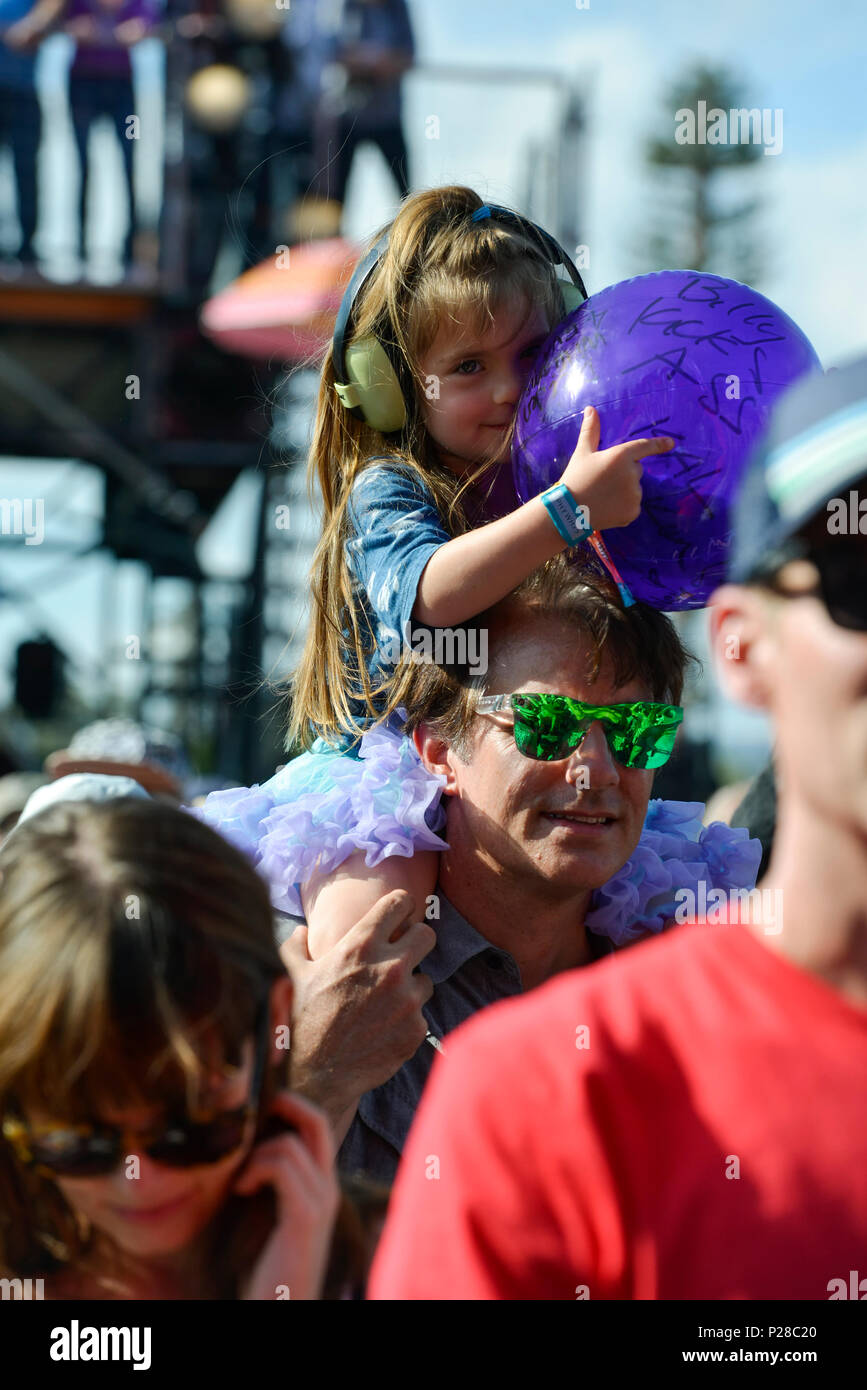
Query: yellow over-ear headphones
(366, 375)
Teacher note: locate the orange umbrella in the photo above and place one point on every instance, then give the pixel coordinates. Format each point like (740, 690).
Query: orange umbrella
(286, 306)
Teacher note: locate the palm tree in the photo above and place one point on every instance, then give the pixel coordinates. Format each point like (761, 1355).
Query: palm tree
(698, 229)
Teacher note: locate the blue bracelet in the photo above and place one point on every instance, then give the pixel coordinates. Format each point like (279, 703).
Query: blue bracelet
(568, 517)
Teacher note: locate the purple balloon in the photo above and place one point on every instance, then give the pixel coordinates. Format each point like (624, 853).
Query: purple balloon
(678, 353)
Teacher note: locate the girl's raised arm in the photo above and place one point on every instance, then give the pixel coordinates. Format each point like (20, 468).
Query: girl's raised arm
(476, 570)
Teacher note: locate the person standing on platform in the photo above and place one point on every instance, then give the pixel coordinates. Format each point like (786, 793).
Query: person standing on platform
(23, 25)
(308, 37)
(361, 99)
(100, 84)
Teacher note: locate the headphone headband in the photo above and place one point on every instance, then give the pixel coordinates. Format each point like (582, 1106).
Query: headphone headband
(551, 248)
(355, 395)
(365, 268)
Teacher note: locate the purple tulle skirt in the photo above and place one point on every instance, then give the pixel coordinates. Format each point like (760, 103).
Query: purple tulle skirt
(327, 804)
(675, 854)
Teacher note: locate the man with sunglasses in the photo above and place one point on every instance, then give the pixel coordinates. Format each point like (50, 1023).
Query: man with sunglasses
(688, 1121)
(547, 762)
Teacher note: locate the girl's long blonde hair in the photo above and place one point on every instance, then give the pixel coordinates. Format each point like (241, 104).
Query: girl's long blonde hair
(438, 264)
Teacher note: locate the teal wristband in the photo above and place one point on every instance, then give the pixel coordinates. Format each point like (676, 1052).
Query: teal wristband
(566, 514)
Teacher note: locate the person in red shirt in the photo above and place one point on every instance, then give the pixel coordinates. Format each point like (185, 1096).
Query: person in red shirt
(688, 1120)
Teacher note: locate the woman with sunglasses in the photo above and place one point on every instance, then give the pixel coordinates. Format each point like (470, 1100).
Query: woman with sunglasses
(150, 1148)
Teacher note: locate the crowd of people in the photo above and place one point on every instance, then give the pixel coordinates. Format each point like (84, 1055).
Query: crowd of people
(312, 81)
(420, 1017)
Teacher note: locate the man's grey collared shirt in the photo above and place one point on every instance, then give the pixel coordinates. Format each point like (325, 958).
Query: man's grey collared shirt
(468, 973)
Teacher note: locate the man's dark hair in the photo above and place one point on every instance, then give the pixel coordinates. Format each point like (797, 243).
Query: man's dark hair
(642, 643)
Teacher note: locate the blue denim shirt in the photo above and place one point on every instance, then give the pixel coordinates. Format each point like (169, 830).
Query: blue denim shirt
(395, 529)
(468, 973)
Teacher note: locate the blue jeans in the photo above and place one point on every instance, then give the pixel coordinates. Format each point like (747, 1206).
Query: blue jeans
(21, 130)
(347, 136)
(91, 98)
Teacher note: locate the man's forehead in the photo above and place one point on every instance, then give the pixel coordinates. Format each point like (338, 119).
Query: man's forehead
(532, 653)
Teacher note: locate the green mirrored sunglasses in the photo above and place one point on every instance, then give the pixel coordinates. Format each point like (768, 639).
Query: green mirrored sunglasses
(550, 727)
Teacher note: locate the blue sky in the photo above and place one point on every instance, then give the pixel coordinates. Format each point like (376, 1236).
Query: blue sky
(804, 58)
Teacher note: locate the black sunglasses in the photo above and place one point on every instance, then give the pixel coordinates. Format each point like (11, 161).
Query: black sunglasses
(841, 586)
(94, 1150)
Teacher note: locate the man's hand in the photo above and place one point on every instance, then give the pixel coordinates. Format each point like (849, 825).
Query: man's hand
(357, 1015)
